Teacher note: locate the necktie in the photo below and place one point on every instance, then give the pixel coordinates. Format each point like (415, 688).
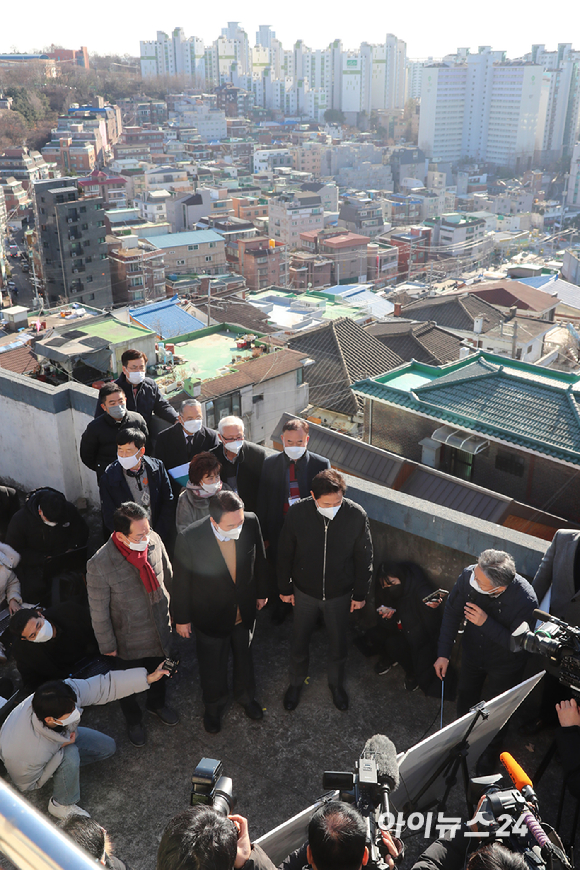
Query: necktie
(189, 447)
(293, 489)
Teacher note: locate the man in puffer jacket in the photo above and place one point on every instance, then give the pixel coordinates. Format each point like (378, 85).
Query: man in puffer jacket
(41, 737)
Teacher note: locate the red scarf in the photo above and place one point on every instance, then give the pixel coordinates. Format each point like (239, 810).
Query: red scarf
(138, 558)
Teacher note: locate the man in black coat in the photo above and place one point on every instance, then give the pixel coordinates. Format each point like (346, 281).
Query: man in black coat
(241, 461)
(285, 479)
(48, 644)
(141, 393)
(140, 479)
(325, 564)
(493, 600)
(219, 581)
(99, 440)
(177, 445)
(51, 536)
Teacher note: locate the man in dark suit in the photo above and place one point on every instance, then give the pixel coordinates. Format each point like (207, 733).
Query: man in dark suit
(99, 440)
(285, 479)
(241, 461)
(141, 393)
(219, 581)
(177, 445)
(140, 479)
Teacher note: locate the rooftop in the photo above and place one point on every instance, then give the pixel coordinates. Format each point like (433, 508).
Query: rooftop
(454, 311)
(166, 318)
(178, 240)
(340, 349)
(254, 371)
(514, 402)
(289, 310)
(507, 293)
(424, 342)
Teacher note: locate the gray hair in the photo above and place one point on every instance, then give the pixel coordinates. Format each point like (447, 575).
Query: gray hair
(187, 403)
(230, 421)
(499, 567)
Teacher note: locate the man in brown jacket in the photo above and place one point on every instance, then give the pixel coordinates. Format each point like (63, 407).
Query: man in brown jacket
(127, 582)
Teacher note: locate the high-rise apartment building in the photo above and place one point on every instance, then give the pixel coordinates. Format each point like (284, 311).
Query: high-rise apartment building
(481, 107)
(557, 130)
(70, 234)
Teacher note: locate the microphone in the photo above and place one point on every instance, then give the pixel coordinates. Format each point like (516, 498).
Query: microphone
(542, 616)
(519, 777)
(385, 756)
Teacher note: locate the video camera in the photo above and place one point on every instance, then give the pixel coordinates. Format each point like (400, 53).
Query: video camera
(209, 787)
(511, 816)
(555, 640)
(376, 774)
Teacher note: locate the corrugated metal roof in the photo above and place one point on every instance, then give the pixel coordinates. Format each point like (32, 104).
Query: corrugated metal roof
(456, 495)
(166, 318)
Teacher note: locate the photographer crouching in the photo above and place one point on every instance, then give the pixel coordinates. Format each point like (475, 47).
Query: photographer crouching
(201, 838)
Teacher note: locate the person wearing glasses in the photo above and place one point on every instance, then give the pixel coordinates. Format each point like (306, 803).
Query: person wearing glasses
(241, 461)
(493, 600)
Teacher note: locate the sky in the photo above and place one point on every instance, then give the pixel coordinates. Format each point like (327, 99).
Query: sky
(429, 29)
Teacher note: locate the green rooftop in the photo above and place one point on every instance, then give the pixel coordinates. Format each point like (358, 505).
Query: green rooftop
(521, 403)
(331, 310)
(114, 331)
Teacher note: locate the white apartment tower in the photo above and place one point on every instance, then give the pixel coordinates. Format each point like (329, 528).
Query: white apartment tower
(480, 107)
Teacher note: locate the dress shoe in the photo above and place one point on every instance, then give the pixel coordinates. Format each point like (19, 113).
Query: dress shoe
(211, 724)
(167, 715)
(383, 666)
(137, 734)
(292, 697)
(411, 683)
(253, 710)
(339, 697)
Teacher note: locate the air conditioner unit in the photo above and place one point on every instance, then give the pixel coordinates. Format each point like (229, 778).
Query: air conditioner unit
(69, 221)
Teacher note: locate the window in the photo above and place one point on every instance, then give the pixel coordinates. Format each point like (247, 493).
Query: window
(256, 399)
(299, 376)
(101, 240)
(212, 244)
(103, 256)
(83, 209)
(87, 243)
(193, 247)
(208, 259)
(510, 463)
(222, 407)
(89, 279)
(180, 262)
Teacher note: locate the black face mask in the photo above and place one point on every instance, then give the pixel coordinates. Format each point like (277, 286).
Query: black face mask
(394, 592)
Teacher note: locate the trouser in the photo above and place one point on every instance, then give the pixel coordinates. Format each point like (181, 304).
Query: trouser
(155, 694)
(473, 676)
(391, 643)
(335, 612)
(212, 656)
(89, 746)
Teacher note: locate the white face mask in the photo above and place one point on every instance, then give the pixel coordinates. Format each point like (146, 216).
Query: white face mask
(294, 452)
(142, 545)
(229, 535)
(328, 512)
(212, 488)
(128, 461)
(192, 426)
(44, 633)
(473, 582)
(71, 719)
(135, 377)
(233, 446)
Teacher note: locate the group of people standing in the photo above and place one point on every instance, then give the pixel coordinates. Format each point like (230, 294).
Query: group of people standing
(199, 537)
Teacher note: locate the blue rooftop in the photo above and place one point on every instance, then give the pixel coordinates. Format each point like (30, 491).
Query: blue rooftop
(177, 240)
(166, 318)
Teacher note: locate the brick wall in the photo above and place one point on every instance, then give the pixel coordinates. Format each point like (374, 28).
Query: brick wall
(397, 430)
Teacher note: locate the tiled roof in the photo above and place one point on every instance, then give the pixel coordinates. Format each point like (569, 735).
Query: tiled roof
(454, 311)
(166, 318)
(522, 404)
(567, 293)
(238, 312)
(425, 342)
(344, 353)
(20, 359)
(508, 293)
(255, 371)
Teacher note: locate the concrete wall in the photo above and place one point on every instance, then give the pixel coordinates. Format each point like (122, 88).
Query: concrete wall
(40, 432)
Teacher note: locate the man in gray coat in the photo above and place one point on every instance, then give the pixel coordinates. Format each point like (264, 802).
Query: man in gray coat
(128, 582)
(41, 738)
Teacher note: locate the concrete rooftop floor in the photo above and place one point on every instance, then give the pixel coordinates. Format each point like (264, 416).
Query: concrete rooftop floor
(276, 765)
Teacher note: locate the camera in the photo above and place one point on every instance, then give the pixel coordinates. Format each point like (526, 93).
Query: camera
(210, 787)
(171, 666)
(376, 774)
(555, 640)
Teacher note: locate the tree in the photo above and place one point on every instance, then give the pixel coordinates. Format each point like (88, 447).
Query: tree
(12, 129)
(334, 116)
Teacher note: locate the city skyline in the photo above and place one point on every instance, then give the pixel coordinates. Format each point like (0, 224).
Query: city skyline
(501, 28)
